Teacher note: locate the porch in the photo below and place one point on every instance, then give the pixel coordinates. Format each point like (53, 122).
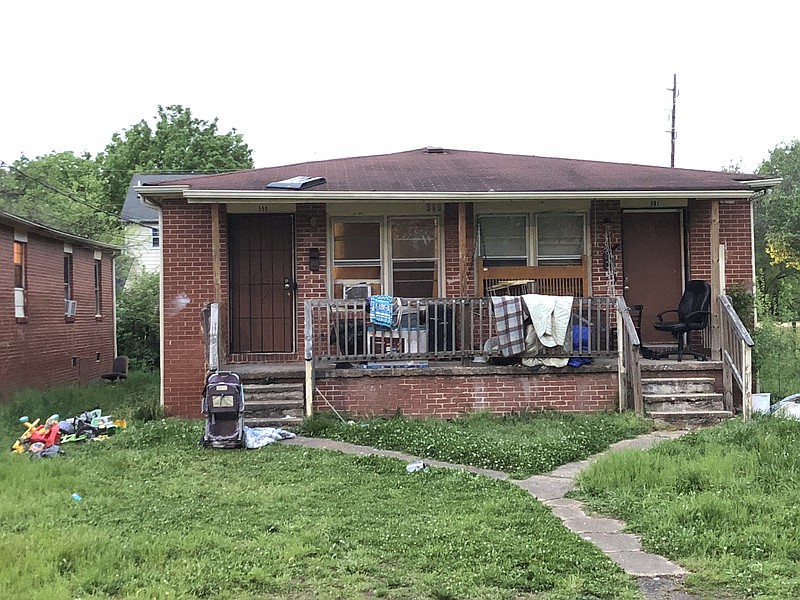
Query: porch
(441, 356)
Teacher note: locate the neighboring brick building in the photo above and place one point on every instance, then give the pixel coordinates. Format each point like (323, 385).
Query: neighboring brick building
(56, 306)
(432, 223)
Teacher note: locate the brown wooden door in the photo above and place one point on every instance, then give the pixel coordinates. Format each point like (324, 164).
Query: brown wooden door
(652, 263)
(261, 249)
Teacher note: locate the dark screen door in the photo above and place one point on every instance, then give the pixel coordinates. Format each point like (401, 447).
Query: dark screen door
(261, 283)
(652, 261)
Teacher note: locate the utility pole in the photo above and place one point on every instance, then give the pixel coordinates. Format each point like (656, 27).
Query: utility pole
(672, 132)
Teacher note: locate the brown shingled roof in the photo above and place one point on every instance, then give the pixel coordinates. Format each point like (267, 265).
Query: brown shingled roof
(468, 171)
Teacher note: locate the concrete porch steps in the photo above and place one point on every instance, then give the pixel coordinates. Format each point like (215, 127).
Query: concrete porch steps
(274, 395)
(683, 401)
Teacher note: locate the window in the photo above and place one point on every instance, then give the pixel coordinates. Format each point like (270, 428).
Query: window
(559, 239)
(68, 276)
(398, 256)
(539, 239)
(98, 287)
(356, 255)
(155, 237)
(415, 254)
(504, 240)
(20, 277)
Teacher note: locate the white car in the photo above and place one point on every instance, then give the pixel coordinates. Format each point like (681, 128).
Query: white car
(788, 407)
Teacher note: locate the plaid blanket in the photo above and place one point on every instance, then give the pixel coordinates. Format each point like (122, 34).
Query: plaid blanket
(509, 316)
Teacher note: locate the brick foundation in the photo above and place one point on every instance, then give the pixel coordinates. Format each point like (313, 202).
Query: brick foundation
(423, 392)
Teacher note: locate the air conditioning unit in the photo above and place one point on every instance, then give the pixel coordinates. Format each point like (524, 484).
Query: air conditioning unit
(359, 291)
(70, 308)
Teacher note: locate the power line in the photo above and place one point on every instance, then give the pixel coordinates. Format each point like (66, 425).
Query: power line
(58, 191)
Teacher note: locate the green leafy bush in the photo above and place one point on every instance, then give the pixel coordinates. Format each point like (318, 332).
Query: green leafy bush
(138, 322)
(776, 359)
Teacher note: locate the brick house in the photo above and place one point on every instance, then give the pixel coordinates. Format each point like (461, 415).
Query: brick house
(142, 227)
(57, 306)
(287, 254)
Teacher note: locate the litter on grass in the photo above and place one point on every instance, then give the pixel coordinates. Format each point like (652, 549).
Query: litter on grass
(45, 440)
(415, 466)
(256, 437)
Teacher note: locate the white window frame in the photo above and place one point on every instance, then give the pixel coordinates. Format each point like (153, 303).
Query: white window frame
(536, 228)
(20, 293)
(386, 259)
(532, 235)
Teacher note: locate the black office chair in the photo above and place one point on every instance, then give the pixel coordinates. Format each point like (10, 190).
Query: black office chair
(693, 314)
(119, 369)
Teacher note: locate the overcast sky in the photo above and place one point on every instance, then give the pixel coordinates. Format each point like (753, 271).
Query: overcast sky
(306, 80)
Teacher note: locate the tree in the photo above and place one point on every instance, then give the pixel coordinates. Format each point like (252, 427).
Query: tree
(179, 143)
(61, 190)
(138, 322)
(777, 234)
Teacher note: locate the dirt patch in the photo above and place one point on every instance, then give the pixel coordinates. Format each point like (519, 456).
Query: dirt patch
(663, 588)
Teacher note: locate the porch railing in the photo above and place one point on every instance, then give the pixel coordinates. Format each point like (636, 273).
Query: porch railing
(629, 370)
(736, 357)
(441, 329)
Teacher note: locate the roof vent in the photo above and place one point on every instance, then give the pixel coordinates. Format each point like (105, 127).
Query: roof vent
(434, 150)
(300, 182)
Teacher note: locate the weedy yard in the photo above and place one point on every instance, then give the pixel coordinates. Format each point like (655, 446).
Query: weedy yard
(161, 517)
(723, 502)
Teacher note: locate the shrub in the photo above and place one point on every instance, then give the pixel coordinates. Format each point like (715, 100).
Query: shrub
(138, 322)
(776, 359)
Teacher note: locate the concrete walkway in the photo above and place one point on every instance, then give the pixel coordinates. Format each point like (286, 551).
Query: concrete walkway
(658, 577)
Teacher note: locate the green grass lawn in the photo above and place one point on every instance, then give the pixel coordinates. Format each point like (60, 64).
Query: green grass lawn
(521, 445)
(161, 517)
(724, 502)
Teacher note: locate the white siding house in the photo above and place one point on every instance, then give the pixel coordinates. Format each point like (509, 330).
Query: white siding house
(142, 227)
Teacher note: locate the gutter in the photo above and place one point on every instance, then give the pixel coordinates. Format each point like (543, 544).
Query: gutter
(762, 184)
(152, 195)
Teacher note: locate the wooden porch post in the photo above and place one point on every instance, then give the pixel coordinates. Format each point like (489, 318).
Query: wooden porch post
(216, 267)
(308, 337)
(462, 249)
(716, 284)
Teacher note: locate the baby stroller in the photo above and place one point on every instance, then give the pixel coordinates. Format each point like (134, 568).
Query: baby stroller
(223, 405)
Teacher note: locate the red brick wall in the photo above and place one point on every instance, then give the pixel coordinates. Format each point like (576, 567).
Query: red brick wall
(735, 225)
(187, 286)
(605, 216)
(38, 351)
(187, 258)
(449, 396)
(188, 275)
(310, 226)
(452, 260)
(735, 221)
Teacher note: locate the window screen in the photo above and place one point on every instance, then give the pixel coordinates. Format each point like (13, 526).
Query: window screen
(504, 240)
(559, 239)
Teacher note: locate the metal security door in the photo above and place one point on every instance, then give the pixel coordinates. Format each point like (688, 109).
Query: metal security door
(262, 283)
